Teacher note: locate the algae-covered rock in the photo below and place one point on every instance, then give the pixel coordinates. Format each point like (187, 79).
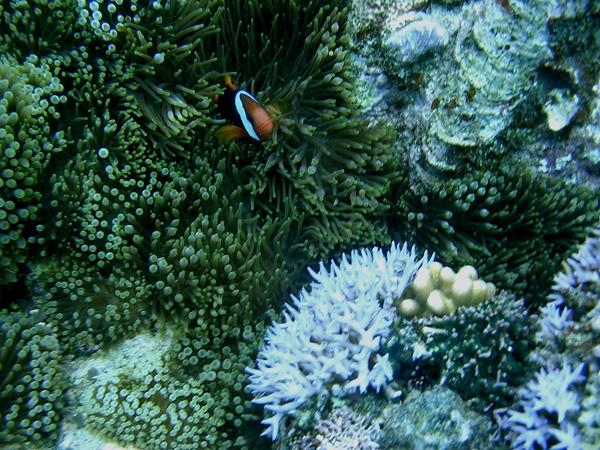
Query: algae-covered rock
(434, 420)
(560, 108)
(414, 35)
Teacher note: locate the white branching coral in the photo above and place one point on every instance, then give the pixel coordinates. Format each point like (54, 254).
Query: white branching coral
(345, 428)
(332, 332)
(545, 414)
(550, 413)
(581, 271)
(554, 322)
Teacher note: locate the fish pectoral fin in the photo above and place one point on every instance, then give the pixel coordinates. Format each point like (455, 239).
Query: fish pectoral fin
(228, 133)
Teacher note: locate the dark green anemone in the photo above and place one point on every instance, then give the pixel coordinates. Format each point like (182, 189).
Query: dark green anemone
(325, 166)
(481, 352)
(513, 226)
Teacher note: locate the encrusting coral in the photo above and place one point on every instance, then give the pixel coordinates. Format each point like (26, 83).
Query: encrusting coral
(413, 35)
(434, 418)
(492, 66)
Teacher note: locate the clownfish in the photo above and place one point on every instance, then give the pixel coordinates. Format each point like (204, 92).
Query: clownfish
(249, 118)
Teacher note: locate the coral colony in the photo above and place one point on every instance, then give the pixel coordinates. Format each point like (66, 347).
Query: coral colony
(419, 179)
(333, 332)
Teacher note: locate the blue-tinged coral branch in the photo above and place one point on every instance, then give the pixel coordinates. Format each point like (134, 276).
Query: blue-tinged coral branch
(332, 332)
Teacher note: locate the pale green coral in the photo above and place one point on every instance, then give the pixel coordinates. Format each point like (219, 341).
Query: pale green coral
(31, 381)
(138, 393)
(30, 96)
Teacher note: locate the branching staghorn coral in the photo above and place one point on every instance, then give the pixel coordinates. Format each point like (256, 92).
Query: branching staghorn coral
(558, 407)
(332, 333)
(547, 405)
(344, 428)
(589, 419)
(578, 284)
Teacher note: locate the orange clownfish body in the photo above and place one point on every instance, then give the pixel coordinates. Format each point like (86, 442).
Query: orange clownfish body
(249, 118)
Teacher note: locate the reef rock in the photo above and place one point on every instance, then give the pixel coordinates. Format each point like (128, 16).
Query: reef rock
(434, 419)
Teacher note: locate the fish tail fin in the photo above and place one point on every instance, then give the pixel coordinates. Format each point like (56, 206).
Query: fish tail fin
(228, 133)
